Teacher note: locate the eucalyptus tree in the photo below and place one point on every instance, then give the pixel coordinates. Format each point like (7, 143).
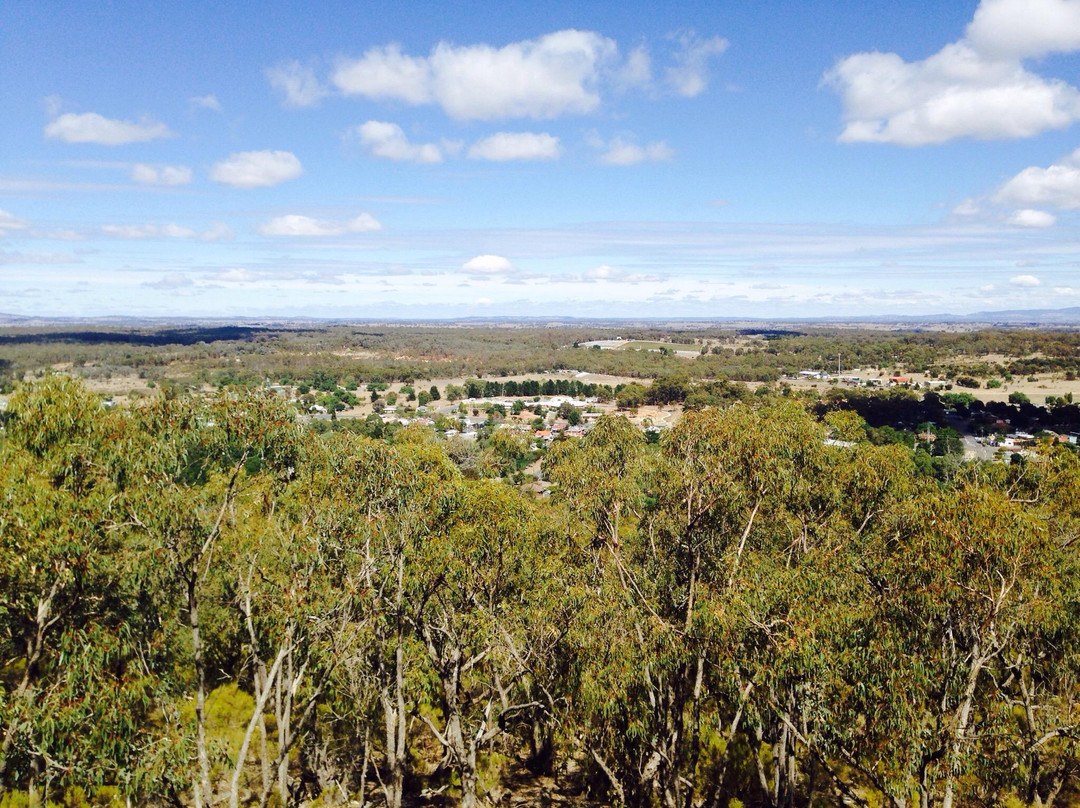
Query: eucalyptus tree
(85, 657)
(468, 592)
(183, 466)
(381, 503)
(966, 587)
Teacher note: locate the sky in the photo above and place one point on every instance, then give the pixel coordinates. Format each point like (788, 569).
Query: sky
(472, 159)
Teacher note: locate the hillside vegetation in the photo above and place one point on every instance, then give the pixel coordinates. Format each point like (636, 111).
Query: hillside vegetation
(203, 602)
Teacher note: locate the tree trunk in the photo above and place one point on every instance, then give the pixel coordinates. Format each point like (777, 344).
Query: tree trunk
(963, 719)
(202, 791)
(260, 705)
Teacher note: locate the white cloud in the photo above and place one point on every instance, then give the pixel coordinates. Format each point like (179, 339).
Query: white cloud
(236, 275)
(1026, 281)
(1032, 218)
(1056, 186)
(146, 231)
(89, 127)
(976, 87)
(967, 208)
(503, 146)
(257, 169)
(58, 235)
(173, 281)
(385, 73)
(206, 102)
(554, 75)
(484, 301)
(953, 94)
(1025, 28)
(160, 175)
(488, 265)
(219, 231)
(689, 75)
(637, 69)
(612, 274)
(297, 225)
(603, 273)
(620, 151)
(10, 222)
(388, 140)
(297, 84)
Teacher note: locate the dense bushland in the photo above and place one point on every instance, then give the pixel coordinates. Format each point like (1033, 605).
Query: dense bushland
(203, 603)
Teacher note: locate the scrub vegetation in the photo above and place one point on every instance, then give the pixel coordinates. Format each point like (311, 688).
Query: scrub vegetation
(784, 599)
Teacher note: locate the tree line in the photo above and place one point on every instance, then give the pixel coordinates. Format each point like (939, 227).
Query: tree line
(204, 603)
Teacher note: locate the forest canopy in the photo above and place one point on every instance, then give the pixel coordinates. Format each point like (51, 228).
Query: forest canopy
(204, 602)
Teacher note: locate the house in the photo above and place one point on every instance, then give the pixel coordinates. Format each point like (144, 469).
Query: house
(900, 379)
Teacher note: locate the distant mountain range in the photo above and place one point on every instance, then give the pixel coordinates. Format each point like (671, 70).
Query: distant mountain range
(1010, 318)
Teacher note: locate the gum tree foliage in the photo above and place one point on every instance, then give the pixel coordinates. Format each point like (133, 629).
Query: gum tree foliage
(739, 612)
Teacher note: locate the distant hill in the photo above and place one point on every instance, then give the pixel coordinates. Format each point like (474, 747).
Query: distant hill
(1009, 318)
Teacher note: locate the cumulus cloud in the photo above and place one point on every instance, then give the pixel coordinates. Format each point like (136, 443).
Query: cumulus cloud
(257, 169)
(504, 146)
(168, 282)
(236, 275)
(603, 273)
(146, 231)
(160, 175)
(217, 231)
(621, 151)
(296, 84)
(616, 275)
(554, 75)
(636, 71)
(388, 140)
(206, 102)
(1025, 281)
(954, 94)
(297, 225)
(385, 73)
(967, 208)
(1056, 186)
(90, 127)
(976, 87)
(689, 75)
(10, 222)
(1025, 28)
(487, 265)
(1029, 217)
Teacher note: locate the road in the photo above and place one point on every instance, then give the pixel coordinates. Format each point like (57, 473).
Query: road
(973, 450)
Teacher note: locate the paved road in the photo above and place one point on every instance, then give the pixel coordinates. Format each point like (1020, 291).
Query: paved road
(973, 450)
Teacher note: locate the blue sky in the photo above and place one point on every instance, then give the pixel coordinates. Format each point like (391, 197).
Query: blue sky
(460, 159)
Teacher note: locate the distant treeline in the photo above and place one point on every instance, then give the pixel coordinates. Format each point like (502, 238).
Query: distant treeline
(251, 355)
